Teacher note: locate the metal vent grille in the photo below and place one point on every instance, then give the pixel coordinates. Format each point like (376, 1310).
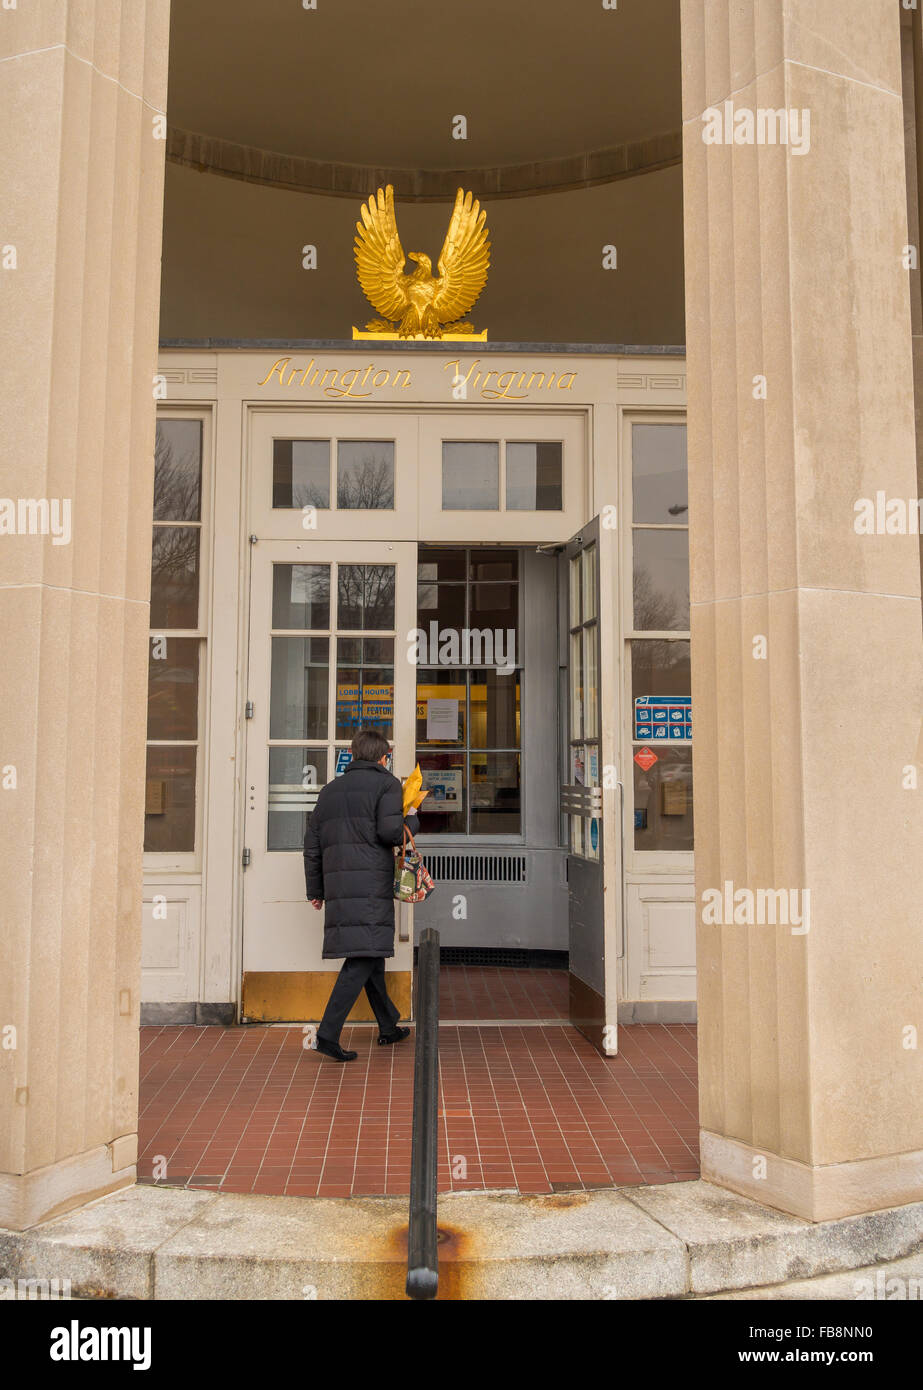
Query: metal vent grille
(447, 867)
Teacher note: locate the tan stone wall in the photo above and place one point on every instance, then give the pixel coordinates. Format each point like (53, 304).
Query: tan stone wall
(81, 91)
(794, 272)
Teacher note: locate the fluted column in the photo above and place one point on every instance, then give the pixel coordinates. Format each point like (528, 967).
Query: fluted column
(83, 90)
(806, 634)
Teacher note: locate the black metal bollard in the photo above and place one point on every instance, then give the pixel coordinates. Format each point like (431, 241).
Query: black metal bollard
(422, 1257)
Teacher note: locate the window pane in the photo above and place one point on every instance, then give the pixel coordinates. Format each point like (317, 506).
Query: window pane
(365, 597)
(173, 688)
(444, 811)
(494, 622)
(576, 684)
(296, 775)
(589, 583)
(438, 685)
(576, 591)
(495, 794)
(175, 577)
(663, 801)
(433, 564)
(298, 693)
(470, 476)
(495, 709)
(365, 699)
(591, 658)
(494, 564)
(661, 580)
(659, 668)
(660, 491)
(301, 473)
(301, 596)
(534, 477)
(178, 470)
(169, 801)
(365, 474)
(444, 605)
(365, 651)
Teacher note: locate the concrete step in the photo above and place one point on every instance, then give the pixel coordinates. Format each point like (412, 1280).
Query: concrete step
(679, 1240)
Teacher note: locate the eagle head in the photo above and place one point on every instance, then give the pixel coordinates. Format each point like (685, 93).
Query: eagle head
(423, 261)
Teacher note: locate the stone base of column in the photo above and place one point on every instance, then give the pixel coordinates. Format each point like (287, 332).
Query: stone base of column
(824, 1193)
(28, 1198)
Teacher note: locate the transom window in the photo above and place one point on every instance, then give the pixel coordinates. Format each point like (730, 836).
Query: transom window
(469, 681)
(513, 475)
(301, 474)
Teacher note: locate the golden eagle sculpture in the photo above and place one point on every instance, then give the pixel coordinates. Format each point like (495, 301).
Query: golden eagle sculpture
(421, 304)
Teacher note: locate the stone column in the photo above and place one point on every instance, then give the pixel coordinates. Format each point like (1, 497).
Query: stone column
(806, 635)
(82, 91)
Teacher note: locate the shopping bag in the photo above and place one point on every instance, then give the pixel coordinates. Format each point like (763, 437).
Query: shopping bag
(412, 879)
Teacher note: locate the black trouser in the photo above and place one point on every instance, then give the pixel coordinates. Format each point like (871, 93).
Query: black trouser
(355, 972)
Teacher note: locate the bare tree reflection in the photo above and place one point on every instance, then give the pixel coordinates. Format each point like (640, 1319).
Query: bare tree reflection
(367, 484)
(177, 470)
(657, 610)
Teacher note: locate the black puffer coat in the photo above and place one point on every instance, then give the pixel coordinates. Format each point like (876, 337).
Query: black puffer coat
(349, 859)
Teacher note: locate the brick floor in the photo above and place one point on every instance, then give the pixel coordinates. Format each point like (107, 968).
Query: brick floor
(498, 992)
(530, 1108)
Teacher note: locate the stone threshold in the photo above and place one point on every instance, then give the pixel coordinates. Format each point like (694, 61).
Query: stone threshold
(679, 1240)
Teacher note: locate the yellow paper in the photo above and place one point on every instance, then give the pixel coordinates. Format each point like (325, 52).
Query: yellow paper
(412, 787)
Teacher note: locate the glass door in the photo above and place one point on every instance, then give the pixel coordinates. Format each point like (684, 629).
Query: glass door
(587, 784)
(328, 654)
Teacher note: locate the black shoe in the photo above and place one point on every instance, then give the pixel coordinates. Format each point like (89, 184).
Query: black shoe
(332, 1049)
(398, 1035)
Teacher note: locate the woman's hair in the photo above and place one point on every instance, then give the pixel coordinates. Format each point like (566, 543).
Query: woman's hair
(369, 745)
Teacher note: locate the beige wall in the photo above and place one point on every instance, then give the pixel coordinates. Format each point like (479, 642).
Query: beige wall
(80, 94)
(232, 262)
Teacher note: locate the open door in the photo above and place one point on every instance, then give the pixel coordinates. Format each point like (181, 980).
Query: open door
(327, 653)
(591, 792)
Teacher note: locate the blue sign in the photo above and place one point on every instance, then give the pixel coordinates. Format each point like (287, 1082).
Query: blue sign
(594, 834)
(663, 716)
(345, 757)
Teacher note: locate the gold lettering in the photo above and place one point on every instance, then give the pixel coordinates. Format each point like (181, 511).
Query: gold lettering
(502, 390)
(291, 376)
(532, 378)
(551, 382)
(276, 367)
(398, 375)
(304, 374)
(573, 378)
(323, 381)
(369, 368)
(345, 387)
(380, 373)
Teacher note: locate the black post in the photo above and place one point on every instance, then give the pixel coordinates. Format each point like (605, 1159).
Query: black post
(422, 1259)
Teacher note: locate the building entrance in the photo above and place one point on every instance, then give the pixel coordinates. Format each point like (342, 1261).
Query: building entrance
(425, 561)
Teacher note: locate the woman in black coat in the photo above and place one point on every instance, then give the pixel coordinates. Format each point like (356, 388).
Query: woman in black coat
(349, 870)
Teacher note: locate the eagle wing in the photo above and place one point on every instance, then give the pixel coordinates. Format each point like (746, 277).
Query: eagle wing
(463, 261)
(380, 256)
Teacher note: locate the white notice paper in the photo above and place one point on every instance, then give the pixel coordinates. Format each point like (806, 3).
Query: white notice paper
(442, 720)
